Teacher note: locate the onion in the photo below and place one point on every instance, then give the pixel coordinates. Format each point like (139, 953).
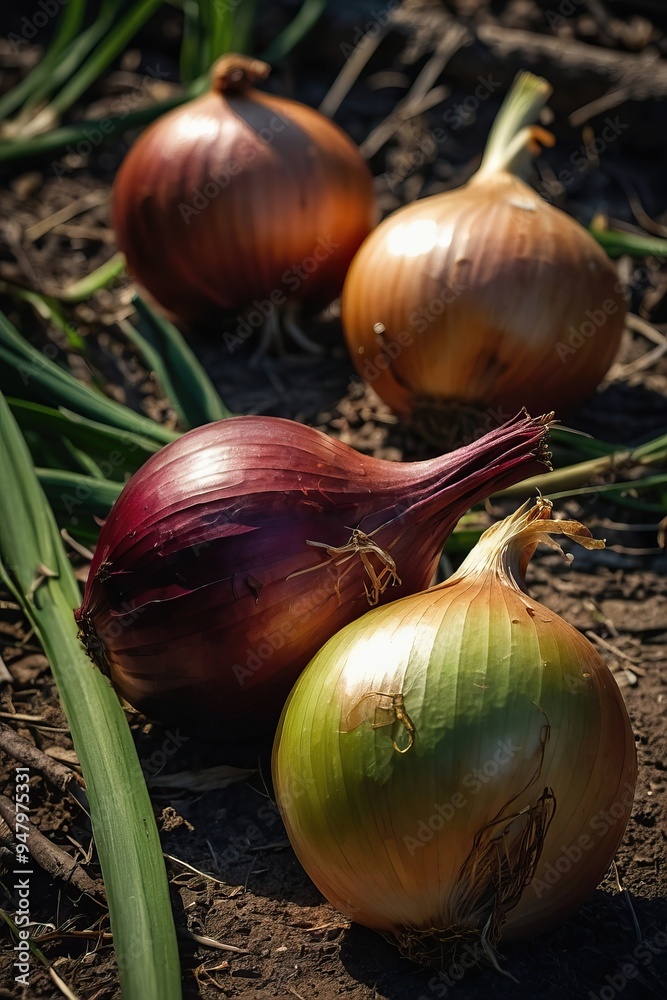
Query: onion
(486, 296)
(459, 763)
(236, 551)
(241, 198)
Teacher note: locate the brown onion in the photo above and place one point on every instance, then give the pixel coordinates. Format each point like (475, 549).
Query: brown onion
(236, 551)
(486, 296)
(241, 197)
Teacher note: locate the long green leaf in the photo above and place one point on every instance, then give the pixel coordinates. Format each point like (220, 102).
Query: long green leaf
(308, 15)
(79, 502)
(192, 389)
(637, 485)
(190, 61)
(69, 25)
(112, 43)
(38, 378)
(47, 309)
(579, 446)
(617, 243)
(58, 139)
(96, 496)
(119, 452)
(99, 278)
(65, 66)
(242, 29)
(572, 480)
(52, 452)
(62, 987)
(34, 565)
(155, 362)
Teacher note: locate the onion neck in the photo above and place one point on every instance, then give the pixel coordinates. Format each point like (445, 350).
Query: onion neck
(234, 73)
(506, 548)
(515, 138)
(436, 492)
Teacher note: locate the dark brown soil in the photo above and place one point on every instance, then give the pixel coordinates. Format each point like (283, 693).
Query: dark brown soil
(259, 899)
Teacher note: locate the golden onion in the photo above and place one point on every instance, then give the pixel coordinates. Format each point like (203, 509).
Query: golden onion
(242, 199)
(487, 297)
(459, 765)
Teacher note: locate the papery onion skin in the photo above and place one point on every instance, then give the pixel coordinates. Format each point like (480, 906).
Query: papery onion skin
(204, 598)
(238, 195)
(485, 296)
(507, 701)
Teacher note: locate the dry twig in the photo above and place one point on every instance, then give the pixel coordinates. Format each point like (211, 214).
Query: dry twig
(48, 856)
(27, 753)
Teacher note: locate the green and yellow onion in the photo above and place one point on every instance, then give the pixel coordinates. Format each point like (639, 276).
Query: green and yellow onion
(459, 764)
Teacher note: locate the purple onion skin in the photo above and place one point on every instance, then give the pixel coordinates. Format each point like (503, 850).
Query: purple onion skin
(192, 603)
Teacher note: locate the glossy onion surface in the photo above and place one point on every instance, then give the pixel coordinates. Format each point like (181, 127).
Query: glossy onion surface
(241, 197)
(458, 764)
(486, 296)
(207, 596)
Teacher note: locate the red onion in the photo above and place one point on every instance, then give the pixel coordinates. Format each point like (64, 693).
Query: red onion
(235, 552)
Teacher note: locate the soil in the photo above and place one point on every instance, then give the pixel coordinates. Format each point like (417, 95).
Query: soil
(234, 877)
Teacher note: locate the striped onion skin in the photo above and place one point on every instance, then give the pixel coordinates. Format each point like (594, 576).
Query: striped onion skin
(239, 194)
(509, 740)
(206, 596)
(485, 296)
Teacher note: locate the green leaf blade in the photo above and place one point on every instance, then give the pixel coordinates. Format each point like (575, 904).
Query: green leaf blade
(122, 818)
(45, 382)
(191, 389)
